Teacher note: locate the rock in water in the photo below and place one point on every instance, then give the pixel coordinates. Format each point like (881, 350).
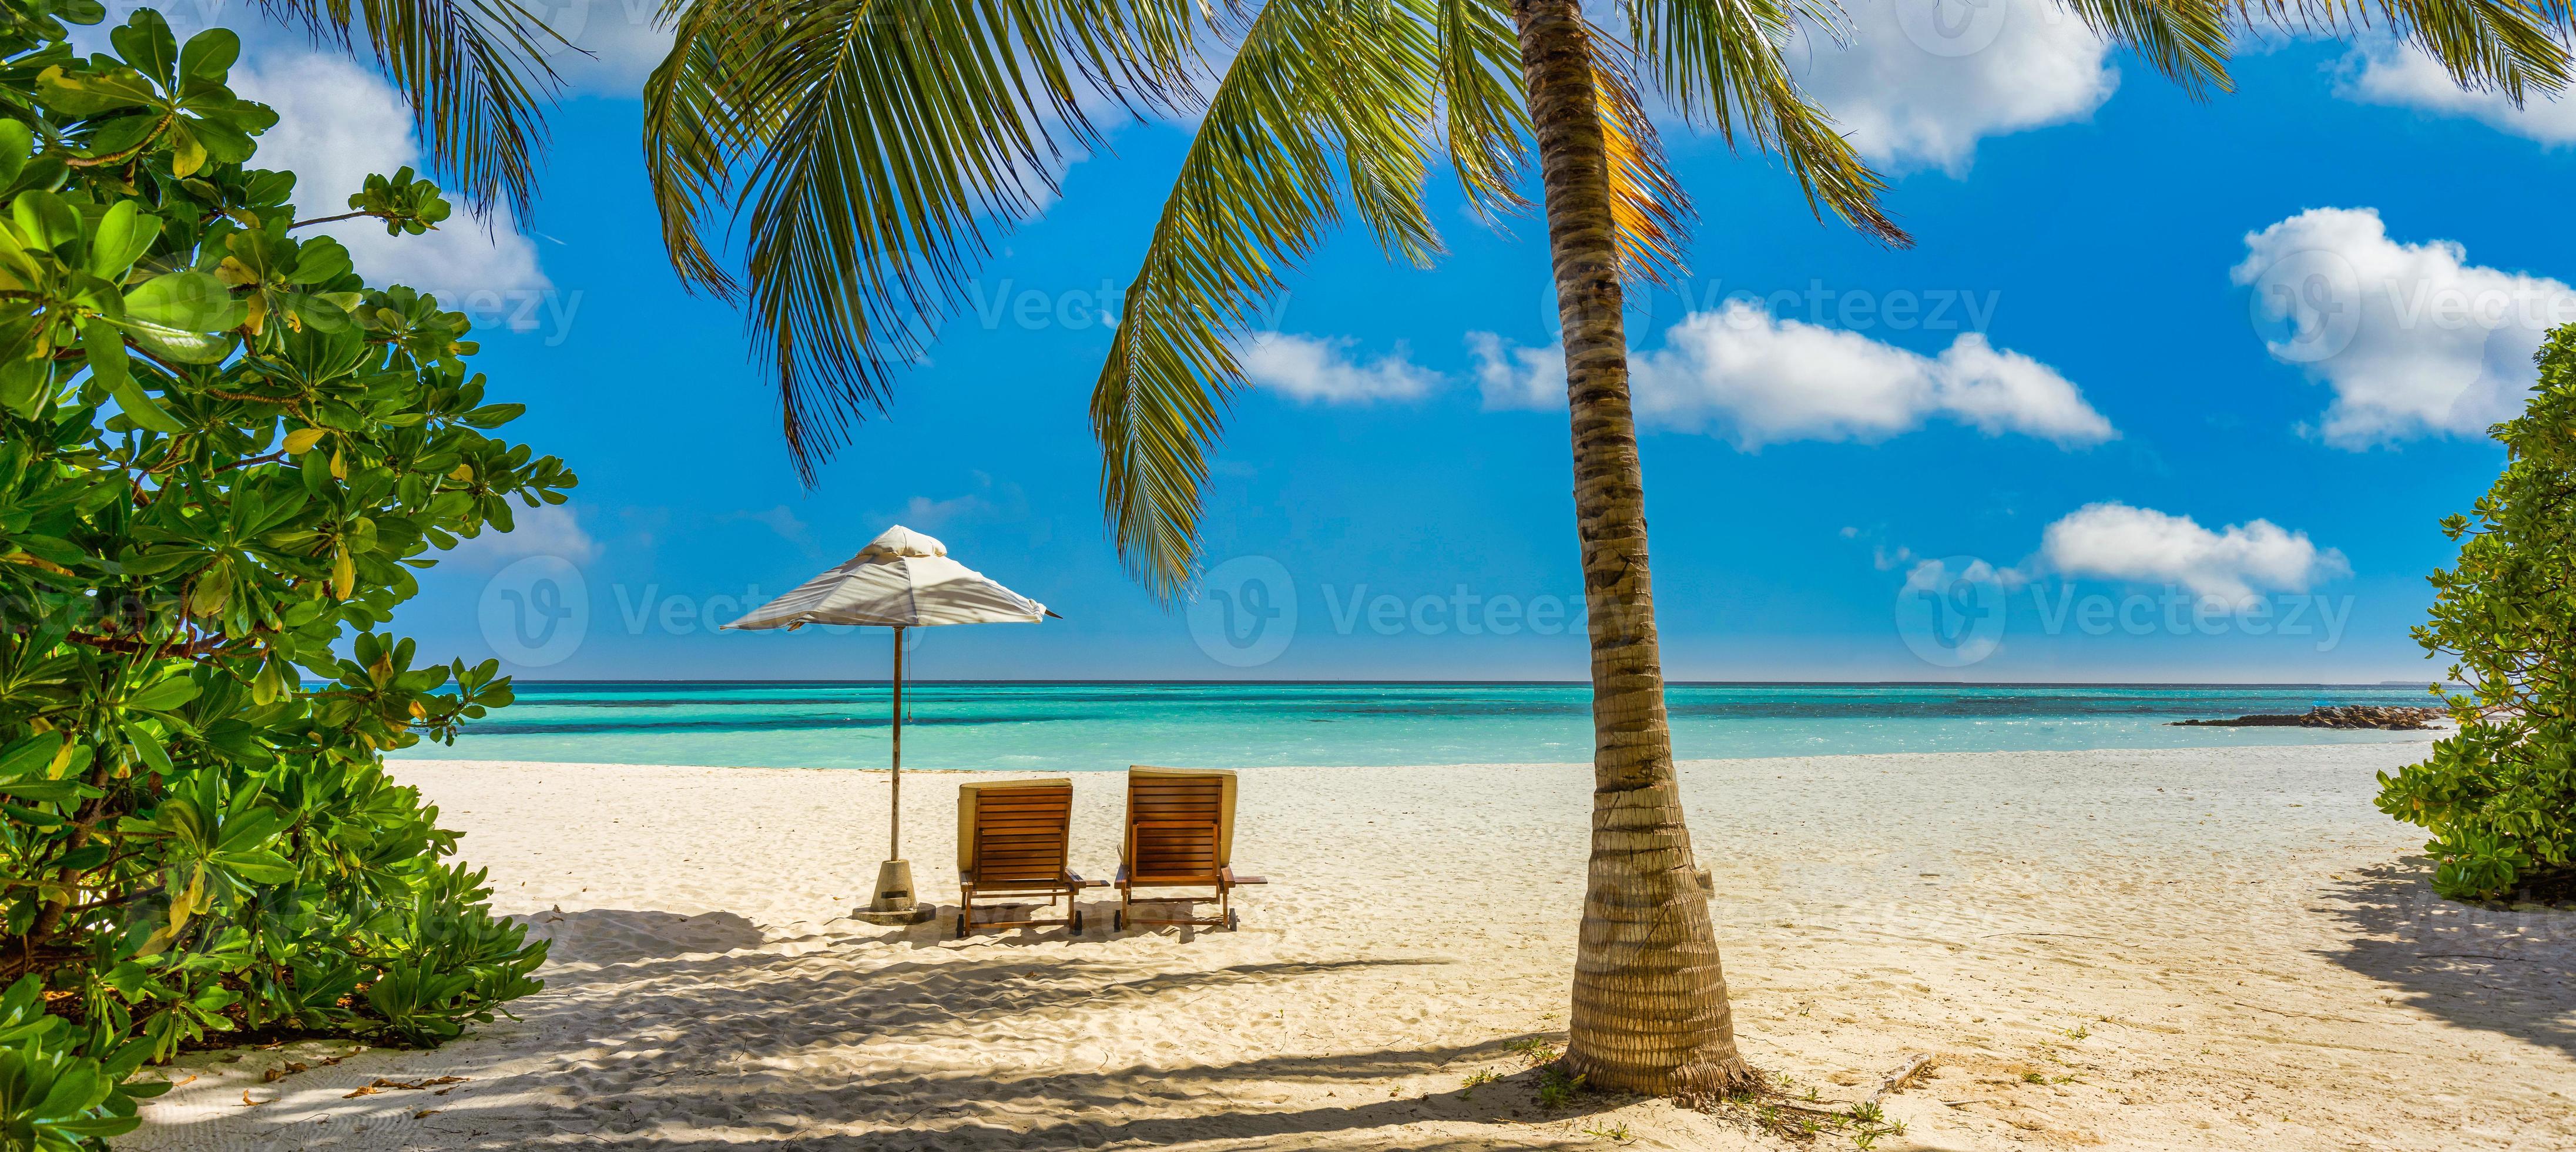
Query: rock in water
(2389, 717)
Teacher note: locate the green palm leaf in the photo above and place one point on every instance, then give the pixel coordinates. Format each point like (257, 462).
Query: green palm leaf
(1317, 79)
(1720, 63)
(1487, 128)
(1314, 80)
(2187, 40)
(2516, 47)
(474, 71)
(875, 144)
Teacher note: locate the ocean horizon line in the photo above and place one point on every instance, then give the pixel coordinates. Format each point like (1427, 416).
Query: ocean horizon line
(1574, 683)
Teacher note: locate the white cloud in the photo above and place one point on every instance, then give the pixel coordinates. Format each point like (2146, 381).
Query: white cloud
(339, 123)
(1512, 377)
(545, 530)
(1321, 371)
(1768, 379)
(1759, 379)
(1934, 575)
(1923, 80)
(2412, 338)
(2382, 71)
(2118, 542)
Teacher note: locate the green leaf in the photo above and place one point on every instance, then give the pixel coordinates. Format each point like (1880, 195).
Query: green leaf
(48, 791)
(187, 300)
(26, 815)
(30, 755)
(146, 42)
(493, 415)
(210, 54)
(45, 219)
(46, 170)
(104, 344)
(177, 346)
(94, 93)
(262, 867)
(17, 142)
(99, 1127)
(319, 261)
(164, 696)
(223, 141)
(147, 746)
(123, 235)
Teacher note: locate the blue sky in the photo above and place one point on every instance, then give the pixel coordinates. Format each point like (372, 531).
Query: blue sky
(2078, 432)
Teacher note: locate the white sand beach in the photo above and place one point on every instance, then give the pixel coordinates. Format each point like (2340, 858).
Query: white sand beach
(2217, 949)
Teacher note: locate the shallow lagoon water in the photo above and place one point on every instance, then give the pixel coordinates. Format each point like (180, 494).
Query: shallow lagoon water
(1060, 727)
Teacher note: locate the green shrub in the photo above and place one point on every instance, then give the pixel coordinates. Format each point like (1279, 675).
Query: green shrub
(222, 455)
(2500, 794)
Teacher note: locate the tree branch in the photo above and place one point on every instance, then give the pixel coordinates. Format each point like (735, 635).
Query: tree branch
(349, 216)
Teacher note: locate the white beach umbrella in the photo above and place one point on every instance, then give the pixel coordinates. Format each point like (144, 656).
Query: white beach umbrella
(902, 579)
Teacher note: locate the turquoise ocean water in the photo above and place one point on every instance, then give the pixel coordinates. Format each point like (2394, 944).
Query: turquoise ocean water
(1105, 726)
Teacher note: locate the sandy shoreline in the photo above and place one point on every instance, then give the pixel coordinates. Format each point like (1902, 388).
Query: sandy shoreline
(2171, 948)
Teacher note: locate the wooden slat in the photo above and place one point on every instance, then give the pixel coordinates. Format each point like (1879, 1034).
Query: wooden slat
(1185, 852)
(1020, 836)
(1173, 823)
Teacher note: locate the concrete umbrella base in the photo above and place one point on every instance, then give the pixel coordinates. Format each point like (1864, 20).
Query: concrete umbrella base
(894, 904)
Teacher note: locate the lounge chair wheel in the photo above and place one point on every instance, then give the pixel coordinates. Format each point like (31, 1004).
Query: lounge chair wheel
(1075, 928)
(1233, 921)
(961, 925)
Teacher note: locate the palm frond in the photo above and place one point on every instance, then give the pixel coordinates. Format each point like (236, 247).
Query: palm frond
(1480, 93)
(2187, 40)
(1255, 193)
(1647, 204)
(1488, 134)
(1377, 92)
(1720, 62)
(691, 132)
(873, 146)
(474, 71)
(2515, 47)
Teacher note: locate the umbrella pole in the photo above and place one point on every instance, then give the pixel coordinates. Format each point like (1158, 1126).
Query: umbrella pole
(894, 836)
(894, 903)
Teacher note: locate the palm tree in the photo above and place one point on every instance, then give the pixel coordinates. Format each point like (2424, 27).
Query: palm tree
(874, 146)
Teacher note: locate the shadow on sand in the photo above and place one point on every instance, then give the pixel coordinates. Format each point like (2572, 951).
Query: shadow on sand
(697, 1033)
(1119, 1108)
(733, 1024)
(2504, 972)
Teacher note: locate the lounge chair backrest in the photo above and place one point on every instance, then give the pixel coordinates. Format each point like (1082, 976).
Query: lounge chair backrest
(1180, 822)
(1013, 831)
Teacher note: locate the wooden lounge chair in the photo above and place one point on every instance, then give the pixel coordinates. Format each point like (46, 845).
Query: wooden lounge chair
(1180, 834)
(1011, 841)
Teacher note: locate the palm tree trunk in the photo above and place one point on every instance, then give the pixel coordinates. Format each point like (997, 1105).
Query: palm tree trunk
(1650, 1008)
